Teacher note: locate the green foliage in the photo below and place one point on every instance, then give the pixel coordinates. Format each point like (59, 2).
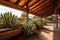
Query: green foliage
(29, 28)
(7, 20)
(48, 19)
(38, 22)
(23, 16)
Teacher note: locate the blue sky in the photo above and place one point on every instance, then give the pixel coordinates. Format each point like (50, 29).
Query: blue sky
(4, 9)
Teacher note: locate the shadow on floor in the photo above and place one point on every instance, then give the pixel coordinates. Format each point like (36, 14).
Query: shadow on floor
(56, 31)
(37, 36)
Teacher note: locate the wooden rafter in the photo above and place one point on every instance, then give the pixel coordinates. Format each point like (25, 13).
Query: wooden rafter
(40, 5)
(26, 3)
(7, 0)
(48, 9)
(36, 5)
(2, 2)
(47, 12)
(17, 2)
(45, 15)
(45, 7)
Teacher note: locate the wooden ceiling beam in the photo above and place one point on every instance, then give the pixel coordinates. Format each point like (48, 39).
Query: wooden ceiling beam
(45, 15)
(47, 12)
(50, 2)
(51, 13)
(35, 14)
(27, 3)
(8, 4)
(40, 5)
(17, 2)
(52, 7)
(45, 7)
(40, 2)
(12, 5)
(34, 3)
(7, 0)
(42, 12)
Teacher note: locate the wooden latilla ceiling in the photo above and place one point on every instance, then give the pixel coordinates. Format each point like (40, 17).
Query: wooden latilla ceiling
(40, 8)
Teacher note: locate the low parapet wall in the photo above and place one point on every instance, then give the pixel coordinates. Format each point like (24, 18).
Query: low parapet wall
(9, 33)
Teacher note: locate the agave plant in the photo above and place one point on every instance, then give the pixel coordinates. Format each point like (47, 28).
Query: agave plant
(38, 22)
(7, 20)
(29, 28)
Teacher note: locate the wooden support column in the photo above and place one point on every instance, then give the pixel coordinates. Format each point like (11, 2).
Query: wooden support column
(56, 12)
(27, 15)
(56, 18)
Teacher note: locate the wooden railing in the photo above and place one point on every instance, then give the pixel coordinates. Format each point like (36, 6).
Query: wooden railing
(9, 33)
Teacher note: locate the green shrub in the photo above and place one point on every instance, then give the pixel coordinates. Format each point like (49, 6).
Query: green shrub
(29, 28)
(38, 22)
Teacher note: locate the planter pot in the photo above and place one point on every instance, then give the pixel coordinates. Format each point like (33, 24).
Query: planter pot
(9, 33)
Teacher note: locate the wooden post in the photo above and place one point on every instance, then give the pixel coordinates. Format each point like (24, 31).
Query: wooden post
(56, 12)
(56, 18)
(27, 11)
(27, 15)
